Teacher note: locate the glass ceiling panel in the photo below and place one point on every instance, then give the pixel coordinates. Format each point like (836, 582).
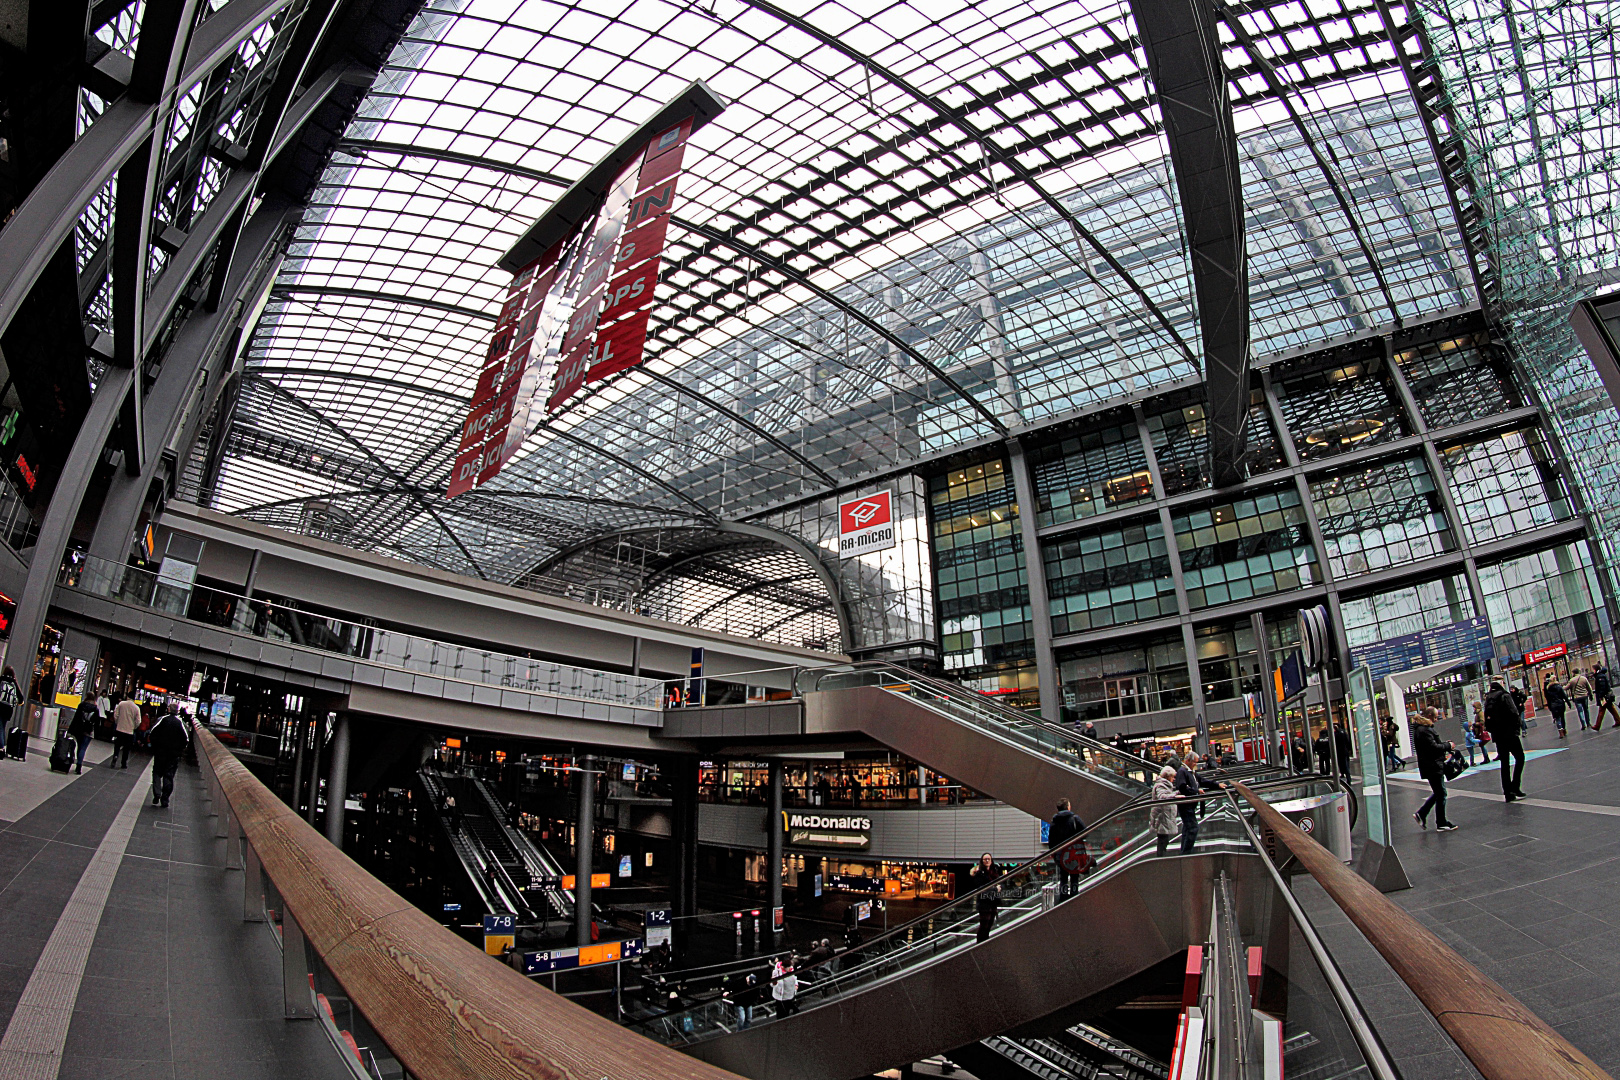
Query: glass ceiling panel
(897, 190)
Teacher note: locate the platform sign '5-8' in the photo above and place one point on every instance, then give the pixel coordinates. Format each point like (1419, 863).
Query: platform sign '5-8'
(866, 524)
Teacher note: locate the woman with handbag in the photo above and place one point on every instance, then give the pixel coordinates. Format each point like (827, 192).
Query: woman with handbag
(984, 876)
(1162, 815)
(1431, 760)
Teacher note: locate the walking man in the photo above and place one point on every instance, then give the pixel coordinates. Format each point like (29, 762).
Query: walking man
(1065, 826)
(126, 718)
(1189, 785)
(1579, 691)
(1603, 694)
(1502, 718)
(168, 738)
(1552, 694)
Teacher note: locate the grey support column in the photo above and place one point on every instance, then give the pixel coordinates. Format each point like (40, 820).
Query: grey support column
(584, 838)
(684, 842)
(1040, 608)
(54, 531)
(337, 781)
(300, 735)
(317, 733)
(1190, 644)
(773, 850)
(1268, 685)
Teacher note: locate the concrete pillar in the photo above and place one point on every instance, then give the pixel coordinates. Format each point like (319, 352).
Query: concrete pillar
(317, 728)
(1268, 685)
(773, 830)
(583, 838)
(299, 736)
(337, 781)
(1040, 608)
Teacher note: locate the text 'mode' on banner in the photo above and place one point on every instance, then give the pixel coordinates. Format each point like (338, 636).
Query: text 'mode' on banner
(577, 314)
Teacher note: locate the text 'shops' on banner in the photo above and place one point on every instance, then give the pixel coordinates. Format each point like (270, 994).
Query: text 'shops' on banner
(866, 524)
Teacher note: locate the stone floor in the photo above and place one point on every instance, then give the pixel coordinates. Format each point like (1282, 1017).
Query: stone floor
(174, 984)
(1521, 890)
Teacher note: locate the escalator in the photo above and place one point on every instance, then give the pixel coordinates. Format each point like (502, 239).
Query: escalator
(544, 872)
(930, 986)
(1081, 1053)
(498, 870)
(1006, 753)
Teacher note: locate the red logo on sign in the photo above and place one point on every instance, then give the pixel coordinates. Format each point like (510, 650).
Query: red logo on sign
(865, 512)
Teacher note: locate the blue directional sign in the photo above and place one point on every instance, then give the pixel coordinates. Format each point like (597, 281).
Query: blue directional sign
(1468, 640)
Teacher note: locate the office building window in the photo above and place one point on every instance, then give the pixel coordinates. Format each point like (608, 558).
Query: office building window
(1114, 679)
(1383, 516)
(1180, 436)
(1101, 468)
(1253, 546)
(1504, 485)
(985, 630)
(1455, 381)
(1344, 408)
(1548, 598)
(1109, 578)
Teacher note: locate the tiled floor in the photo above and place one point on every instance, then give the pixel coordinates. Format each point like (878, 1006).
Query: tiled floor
(176, 985)
(1527, 892)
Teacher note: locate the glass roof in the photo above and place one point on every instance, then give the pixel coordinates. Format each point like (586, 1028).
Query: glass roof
(918, 224)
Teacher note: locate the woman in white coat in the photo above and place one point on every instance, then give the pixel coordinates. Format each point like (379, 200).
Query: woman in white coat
(1162, 815)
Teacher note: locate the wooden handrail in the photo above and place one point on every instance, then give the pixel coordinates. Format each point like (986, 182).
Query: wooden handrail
(1504, 1040)
(446, 1011)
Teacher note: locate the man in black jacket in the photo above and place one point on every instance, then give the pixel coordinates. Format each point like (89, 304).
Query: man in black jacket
(1066, 825)
(168, 738)
(1502, 719)
(1190, 785)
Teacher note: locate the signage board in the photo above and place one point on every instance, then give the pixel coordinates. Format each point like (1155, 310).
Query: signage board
(624, 866)
(500, 933)
(219, 713)
(179, 574)
(452, 907)
(598, 881)
(694, 679)
(845, 832)
(866, 524)
(1541, 656)
(863, 911)
(1469, 639)
(658, 924)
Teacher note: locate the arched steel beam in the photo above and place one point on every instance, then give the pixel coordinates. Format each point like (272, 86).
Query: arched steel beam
(322, 419)
(412, 489)
(702, 510)
(744, 421)
(388, 298)
(959, 117)
(355, 376)
(780, 266)
(1281, 91)
(802, 548)
(370, 146)
(746, 590)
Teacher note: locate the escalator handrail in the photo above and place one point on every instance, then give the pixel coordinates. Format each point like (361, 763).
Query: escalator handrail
(1494, 1030)
(1014, 720)
(905, 927)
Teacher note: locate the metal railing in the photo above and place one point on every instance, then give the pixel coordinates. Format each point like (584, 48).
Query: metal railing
(385, 648)
(1107, 764)
(402, 997)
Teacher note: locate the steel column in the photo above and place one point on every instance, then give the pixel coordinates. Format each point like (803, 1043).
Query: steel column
(1184, 55)
(1040, 605)
(584, 839)
(773, 846)
(337, 781)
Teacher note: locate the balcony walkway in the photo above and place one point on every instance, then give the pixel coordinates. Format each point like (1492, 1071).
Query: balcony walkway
(173, 984)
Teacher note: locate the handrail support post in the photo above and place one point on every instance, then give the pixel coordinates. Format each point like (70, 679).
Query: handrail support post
(252, 884)
(296, 997)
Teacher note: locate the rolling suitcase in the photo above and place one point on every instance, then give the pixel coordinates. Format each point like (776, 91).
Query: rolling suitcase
(62, 754)
(17, 743)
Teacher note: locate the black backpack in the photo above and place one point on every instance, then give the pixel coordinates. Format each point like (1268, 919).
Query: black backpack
(1601, 685)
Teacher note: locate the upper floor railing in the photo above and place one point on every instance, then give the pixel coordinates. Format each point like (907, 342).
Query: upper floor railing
(387, 648)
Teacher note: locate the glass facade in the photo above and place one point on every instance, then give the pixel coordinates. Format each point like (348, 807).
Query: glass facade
(1406, 610)
(1229, 663)
(1546, 598)
(1505, 485)
(1101, 468)
(1334, 410)
(1379, 517)
(1109, 578)
(1253, 546)
(1181, 442)
(1457, 380)
(1110, 680)
(986, 637)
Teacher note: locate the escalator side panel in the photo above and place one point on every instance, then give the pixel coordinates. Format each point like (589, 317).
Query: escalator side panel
(1118, 927)
(1020, 777)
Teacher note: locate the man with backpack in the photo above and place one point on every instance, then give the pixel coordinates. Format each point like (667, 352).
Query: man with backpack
(1066, 825)
(168, 739)
(1603, 694)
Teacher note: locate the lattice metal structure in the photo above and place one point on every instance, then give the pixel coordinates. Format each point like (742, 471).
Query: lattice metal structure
(916, 229)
